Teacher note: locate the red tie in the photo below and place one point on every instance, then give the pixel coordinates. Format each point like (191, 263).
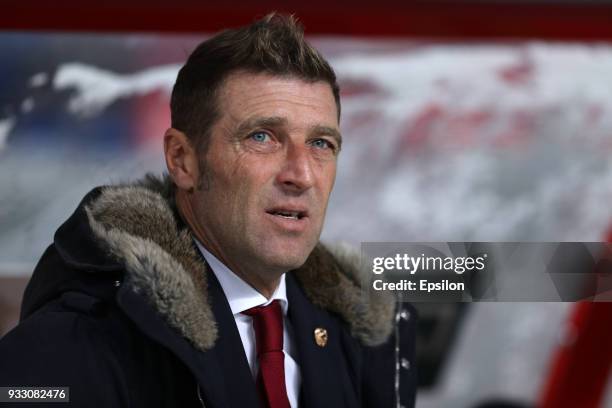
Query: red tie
(268, 324)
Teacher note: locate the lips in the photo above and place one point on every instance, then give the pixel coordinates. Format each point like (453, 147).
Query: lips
(291, 219)
(290, 213)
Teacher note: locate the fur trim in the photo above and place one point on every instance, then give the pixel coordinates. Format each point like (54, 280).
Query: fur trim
(137, 225)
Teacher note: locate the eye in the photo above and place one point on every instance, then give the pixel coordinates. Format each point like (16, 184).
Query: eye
(323, 144)
(260, 137)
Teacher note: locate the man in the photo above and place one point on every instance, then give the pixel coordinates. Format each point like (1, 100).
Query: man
(209, 287)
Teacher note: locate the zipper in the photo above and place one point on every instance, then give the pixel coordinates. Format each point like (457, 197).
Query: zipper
(200, 396)
(397, 354)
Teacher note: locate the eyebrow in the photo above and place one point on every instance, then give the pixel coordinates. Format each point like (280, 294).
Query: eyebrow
(257, 122)
(276, 121)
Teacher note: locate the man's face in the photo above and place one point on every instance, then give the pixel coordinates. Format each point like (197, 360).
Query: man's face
(269, 170)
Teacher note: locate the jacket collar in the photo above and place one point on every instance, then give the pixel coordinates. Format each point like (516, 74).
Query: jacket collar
(137, 225)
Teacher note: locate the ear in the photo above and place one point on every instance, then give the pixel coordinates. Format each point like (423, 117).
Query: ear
(181, 159)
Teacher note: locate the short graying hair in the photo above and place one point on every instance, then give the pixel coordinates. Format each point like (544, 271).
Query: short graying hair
(274, 45)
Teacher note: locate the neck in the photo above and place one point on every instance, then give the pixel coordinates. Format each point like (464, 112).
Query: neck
(264, 283)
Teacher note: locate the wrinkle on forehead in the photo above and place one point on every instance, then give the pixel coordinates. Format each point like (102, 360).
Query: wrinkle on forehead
(247, 94)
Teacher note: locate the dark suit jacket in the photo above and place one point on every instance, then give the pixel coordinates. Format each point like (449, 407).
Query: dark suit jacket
(123, 310)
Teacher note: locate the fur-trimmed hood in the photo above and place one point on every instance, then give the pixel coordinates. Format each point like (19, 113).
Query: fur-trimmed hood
(136, 224)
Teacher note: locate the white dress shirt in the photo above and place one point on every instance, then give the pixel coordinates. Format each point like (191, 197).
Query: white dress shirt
(242, 296)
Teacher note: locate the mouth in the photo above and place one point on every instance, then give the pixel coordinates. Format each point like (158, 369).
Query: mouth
(292, 219)
(288, 213)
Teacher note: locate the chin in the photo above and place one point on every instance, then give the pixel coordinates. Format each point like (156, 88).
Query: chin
(285, 256)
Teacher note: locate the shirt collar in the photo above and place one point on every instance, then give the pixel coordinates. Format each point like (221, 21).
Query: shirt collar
(240, 295)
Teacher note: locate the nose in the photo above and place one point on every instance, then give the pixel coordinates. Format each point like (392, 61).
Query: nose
(297, 173)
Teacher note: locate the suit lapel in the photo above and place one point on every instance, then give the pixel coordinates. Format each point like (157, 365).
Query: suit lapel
(234, 368)
(326, 381)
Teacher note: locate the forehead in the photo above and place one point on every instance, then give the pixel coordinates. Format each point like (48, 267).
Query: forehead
(245, 94)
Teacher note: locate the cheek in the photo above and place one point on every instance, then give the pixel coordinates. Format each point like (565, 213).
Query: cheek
(247, 191)
(227, 179)
(254, 176)
(328, 178)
